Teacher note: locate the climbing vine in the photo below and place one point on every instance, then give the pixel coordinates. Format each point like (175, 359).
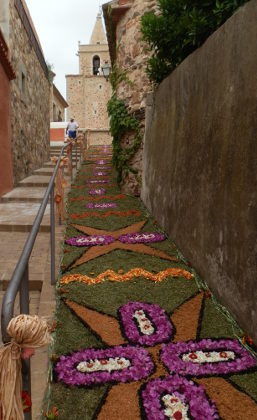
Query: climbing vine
(122, 123)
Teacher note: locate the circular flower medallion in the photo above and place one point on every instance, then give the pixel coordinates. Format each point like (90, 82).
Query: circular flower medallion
(90, 240)
(142, 238)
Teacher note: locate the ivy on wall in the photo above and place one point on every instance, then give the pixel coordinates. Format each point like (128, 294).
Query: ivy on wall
(121, 124)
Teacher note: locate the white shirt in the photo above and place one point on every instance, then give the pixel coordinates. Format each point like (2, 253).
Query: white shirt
(72, 126)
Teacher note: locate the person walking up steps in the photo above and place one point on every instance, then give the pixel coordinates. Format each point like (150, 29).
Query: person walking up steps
(72, 129)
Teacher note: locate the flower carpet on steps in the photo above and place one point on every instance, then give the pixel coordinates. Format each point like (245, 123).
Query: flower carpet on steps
(137, 335)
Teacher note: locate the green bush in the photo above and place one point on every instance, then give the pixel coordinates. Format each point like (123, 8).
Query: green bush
(121, 123)
(180, 28)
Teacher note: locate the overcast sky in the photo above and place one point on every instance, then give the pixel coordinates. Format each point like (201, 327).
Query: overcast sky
(60, 24)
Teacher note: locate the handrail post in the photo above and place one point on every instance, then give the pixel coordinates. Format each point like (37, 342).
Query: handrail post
(76, 156)
(26, 382)
(71, 162)
(24, 292)
(52, 222)
(24, 309)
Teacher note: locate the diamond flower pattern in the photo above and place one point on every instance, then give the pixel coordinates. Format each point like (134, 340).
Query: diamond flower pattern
(134, 354)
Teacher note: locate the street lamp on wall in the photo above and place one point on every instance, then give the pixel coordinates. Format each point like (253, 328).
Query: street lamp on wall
(106, 70)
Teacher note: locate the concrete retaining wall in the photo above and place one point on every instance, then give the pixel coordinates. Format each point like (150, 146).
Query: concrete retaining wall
(200, 161)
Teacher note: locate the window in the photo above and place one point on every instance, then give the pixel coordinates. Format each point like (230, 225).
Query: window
(96, 65)
(54, 112)
(23, 83)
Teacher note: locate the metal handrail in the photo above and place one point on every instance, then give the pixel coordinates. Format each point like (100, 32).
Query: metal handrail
(20, 278)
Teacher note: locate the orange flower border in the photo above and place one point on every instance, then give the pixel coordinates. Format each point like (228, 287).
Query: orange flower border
(134, 272)
(75, 216)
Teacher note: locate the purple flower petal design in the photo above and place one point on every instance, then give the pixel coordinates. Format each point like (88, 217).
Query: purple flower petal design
(102, 162)
(142, 238)
(192, 358)
(92, 367)
(98, 181)
(100, 173)
(90, 240)
(97, 191)
(145, 324)
(106, 167)
(101, 205)
(175, 397)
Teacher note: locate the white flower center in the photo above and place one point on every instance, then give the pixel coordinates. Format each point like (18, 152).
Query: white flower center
(208, 357)
(109, 364)
(175, 408)
(144, 322)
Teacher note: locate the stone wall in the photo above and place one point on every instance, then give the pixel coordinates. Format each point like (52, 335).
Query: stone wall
(200, 162)
(87, 97)
(57, 105)
(132, 56)
(6, 74)
(29, 100)
(98, 137)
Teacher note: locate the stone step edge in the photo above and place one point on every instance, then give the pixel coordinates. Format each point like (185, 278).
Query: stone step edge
(22, 199)
(34, 285)
(23, 228)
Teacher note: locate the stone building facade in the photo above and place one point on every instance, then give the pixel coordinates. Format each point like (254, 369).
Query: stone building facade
(88, 92)
(122, 21)
(6, 75)
(29, 91)
(57, 105)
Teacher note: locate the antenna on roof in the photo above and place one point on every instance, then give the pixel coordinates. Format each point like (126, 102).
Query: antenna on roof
(100, 9)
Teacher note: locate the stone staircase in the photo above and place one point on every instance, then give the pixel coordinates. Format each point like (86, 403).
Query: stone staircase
(18, 209)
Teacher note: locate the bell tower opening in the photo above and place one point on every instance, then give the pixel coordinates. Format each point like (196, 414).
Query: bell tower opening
(96, 65)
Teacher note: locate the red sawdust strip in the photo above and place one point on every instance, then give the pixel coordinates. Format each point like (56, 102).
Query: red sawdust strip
(121, 403)
(186, 319)
(97, 251)
(126, 213)
(231, 403)
(104, 326)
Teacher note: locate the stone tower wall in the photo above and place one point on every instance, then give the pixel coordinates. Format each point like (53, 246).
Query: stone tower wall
(87, 98)
(86, 54)
(88, 94)
(29, 100)
(75, 98)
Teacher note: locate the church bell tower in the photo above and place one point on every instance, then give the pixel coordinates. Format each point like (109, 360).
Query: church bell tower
(88, 92)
